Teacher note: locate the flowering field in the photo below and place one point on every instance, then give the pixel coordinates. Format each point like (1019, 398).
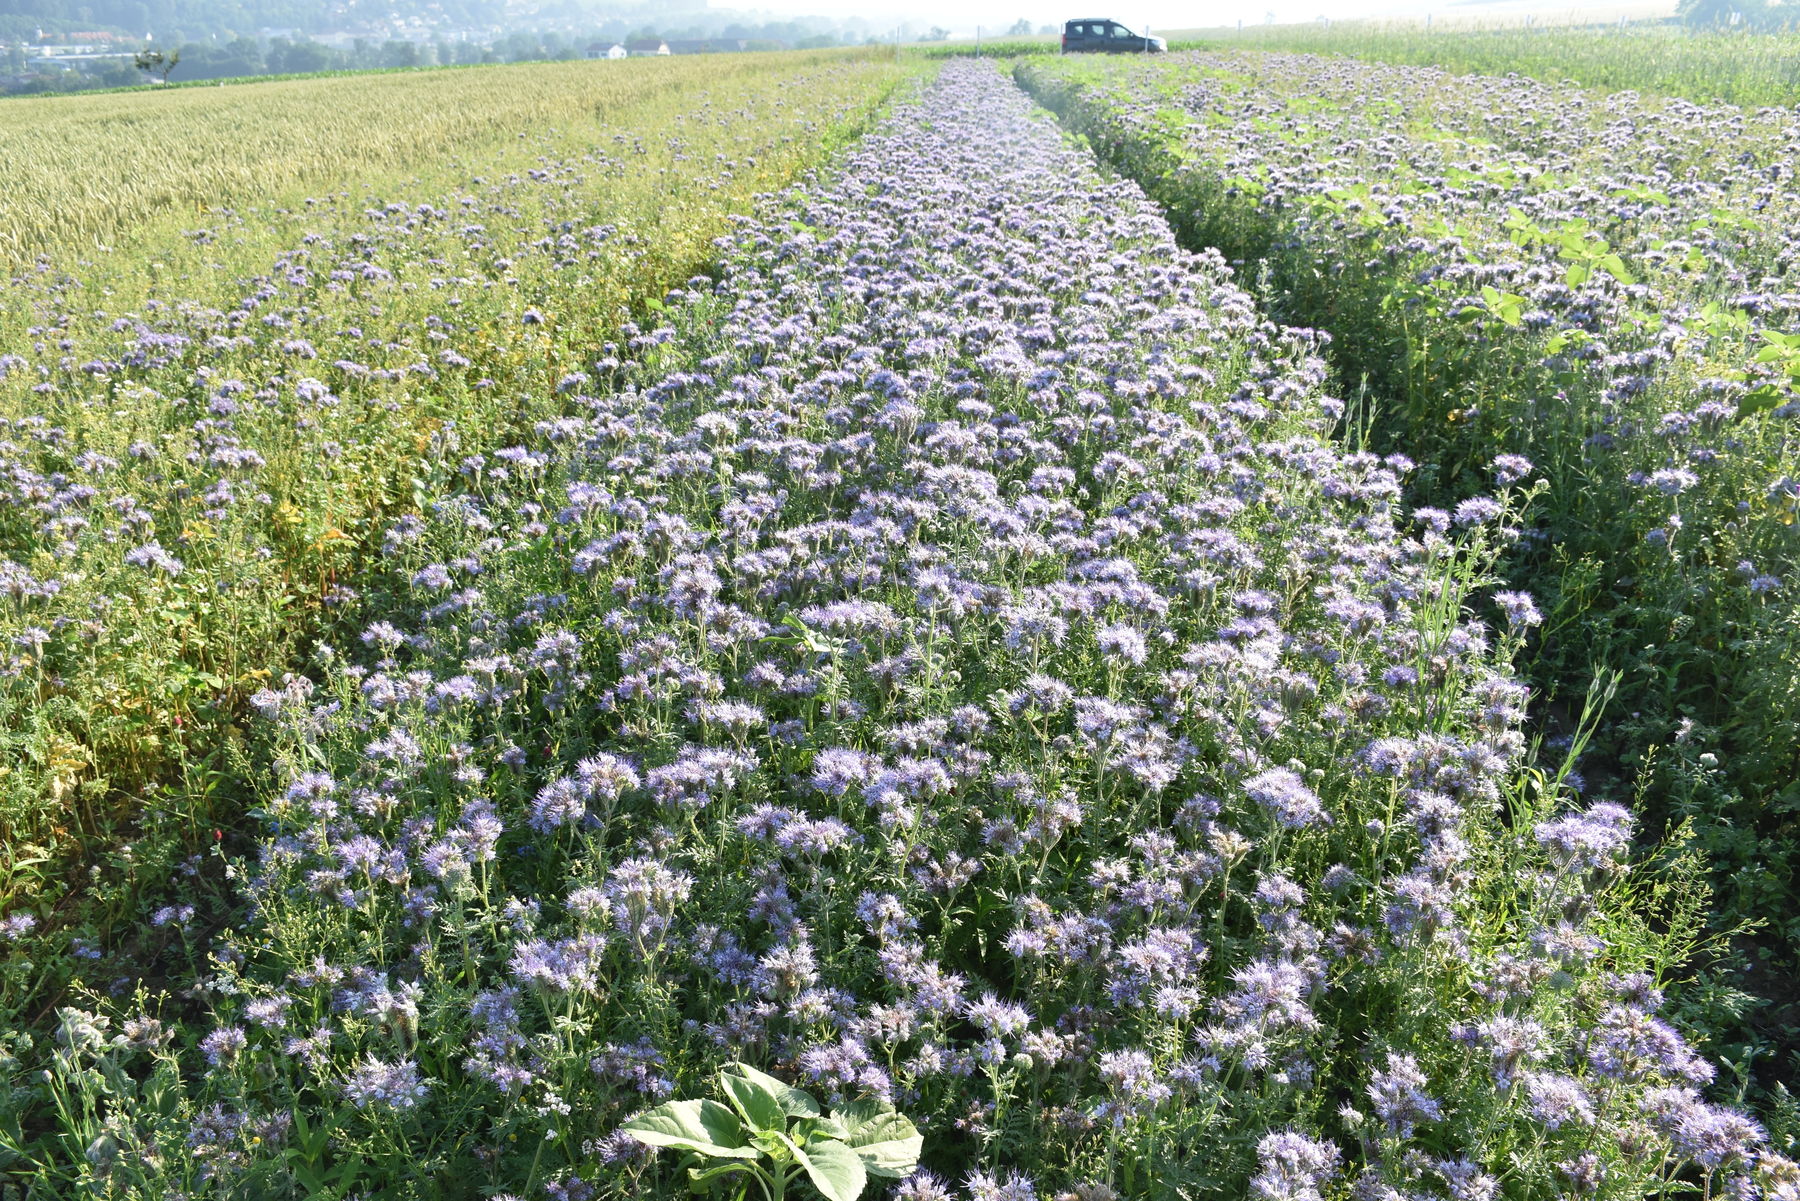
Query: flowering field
(1601, 282)
(1736, 67)
(205, 432)
(940, 666)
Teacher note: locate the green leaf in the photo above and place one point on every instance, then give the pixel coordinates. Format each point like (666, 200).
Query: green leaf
(1576, 275)
(1761, 400)
(759, 1106)
(773, 1143)
(700, 1180)
(794, 1102)
(887, 1142)
(834, 1169)
(705, 1127)
(808, 1130)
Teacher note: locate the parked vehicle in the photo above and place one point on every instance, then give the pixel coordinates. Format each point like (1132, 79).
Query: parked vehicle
(1106, 36)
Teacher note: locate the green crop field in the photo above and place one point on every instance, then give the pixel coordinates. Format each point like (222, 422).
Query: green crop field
(1747, 69)
(878, 624)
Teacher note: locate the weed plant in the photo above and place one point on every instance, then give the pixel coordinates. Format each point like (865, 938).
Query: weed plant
(946, 662)
(1601, 283)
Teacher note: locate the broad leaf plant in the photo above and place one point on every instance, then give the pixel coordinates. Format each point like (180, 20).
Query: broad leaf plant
(772, 1133)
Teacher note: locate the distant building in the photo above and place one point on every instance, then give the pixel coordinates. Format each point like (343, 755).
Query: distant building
(606, 50)
(646, 47)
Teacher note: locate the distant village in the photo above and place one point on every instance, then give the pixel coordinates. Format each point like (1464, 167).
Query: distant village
(40, 60)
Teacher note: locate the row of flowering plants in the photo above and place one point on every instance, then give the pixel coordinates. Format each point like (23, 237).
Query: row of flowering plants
(205, 431)
(947, 689)
(1600, 281)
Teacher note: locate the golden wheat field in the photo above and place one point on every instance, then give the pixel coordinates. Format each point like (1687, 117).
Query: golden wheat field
(86, 170)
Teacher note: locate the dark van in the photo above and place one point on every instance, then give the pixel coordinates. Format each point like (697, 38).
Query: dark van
(1106, 36)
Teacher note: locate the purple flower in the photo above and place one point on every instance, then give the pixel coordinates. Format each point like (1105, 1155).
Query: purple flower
(565, 966)
(997, 1018)
(1557, 1100)
(644, 895)
(837, 770)
(923, 1186)
(1709, 1135)
(605, 777)
(1001, 1186)
(1477, 510)
(1510, 469)
(1672, 481)
(17, 925)
(1292, 1167)
(1399, 1097)
(1630, 1043)
(814, 837)
(1518, 607)
(435, 577)
(1588, 840)
(152, 555)
(1514, 1043)
(1123, 643)
(559, 804)
(1131, 1075)
(388, 1085)
(1287, 798)
(223, 1045)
